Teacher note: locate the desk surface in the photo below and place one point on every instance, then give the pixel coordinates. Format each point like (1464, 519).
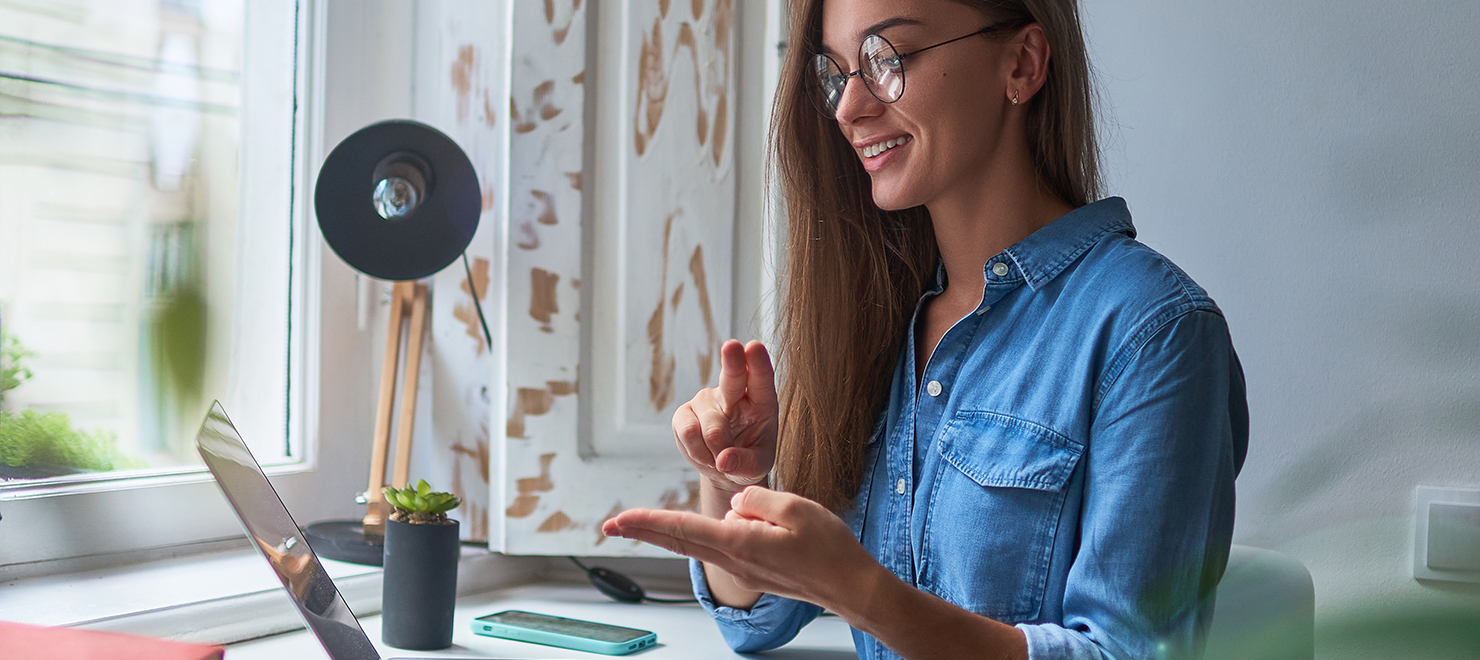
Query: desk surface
(684, 631)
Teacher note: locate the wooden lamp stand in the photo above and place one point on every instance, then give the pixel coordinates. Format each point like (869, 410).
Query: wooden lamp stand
(363, 542)
(408, 299)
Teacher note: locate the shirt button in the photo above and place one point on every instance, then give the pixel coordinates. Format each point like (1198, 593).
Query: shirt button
(983, 310)
(999, 269)
(933, 387)
(899, 486)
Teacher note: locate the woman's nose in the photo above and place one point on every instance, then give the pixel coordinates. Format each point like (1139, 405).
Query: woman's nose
(856, 102)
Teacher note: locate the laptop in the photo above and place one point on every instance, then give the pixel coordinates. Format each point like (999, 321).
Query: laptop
(270, 528)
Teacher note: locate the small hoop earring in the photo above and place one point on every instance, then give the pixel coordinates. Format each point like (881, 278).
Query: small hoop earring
(1014, 97)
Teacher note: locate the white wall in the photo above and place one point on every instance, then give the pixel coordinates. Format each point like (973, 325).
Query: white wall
(1316, 166)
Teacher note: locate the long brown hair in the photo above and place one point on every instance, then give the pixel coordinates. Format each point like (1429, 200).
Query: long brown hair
(854, 272)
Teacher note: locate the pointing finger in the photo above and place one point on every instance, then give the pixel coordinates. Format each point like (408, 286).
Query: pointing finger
(691, 528)
(666, 540)
(678, 546)
(761, 377)
(732, 376)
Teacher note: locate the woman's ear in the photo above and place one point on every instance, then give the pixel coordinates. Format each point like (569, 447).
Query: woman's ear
(1030, 54)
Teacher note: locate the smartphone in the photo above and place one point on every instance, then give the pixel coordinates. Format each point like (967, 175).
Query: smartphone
(565, 633)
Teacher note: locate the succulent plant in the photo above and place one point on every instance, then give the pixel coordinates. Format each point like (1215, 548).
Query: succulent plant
(419, 505)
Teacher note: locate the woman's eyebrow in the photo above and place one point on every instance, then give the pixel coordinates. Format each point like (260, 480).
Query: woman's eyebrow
(889, 23)
(879, 27)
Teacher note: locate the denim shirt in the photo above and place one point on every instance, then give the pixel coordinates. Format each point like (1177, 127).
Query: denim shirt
(1067, 462)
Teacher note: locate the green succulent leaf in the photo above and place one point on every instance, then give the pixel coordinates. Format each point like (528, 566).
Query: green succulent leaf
(419, 498)
(440, 502)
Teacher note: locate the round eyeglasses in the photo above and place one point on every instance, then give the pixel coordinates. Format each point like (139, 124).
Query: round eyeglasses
(881, 68)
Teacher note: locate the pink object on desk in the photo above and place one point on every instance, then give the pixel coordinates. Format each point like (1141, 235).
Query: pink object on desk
(61, 643)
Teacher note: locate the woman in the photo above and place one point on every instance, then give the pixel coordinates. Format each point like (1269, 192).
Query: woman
(1033, 459)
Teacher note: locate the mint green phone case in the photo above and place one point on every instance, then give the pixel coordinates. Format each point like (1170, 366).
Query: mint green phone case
(565, 633)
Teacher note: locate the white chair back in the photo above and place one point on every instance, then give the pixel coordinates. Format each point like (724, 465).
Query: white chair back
(1266, 609)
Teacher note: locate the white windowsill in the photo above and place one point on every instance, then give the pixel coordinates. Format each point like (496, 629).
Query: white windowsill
(218, 598)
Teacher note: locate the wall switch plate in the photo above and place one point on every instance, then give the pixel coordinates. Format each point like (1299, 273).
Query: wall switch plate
(1446, 541)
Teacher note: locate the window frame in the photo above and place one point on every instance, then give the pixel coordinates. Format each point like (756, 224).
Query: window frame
(50, 527)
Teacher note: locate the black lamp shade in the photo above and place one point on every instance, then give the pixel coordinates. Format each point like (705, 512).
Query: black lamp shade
(420, 243)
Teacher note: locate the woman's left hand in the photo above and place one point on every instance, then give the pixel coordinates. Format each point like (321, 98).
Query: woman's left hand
(787, 545)
(770, 541)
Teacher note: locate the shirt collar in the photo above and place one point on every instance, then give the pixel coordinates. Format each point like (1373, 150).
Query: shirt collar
(1047, 252)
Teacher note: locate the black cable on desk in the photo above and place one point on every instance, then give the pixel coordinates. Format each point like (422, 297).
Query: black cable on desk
(620, 587)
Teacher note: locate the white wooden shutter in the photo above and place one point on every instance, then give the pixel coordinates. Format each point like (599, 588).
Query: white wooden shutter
(585, 439)
(611, 165)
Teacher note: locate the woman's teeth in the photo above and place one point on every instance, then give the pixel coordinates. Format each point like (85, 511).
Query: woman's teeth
(881, 147)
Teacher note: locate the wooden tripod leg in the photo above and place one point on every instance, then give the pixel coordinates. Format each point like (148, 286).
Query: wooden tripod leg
(409, 383)
(376, 509)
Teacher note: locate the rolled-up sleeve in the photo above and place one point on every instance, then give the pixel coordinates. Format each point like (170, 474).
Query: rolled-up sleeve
(1168, 437)
(771, 622)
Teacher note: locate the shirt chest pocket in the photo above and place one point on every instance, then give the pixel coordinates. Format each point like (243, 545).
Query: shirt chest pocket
(994, 512)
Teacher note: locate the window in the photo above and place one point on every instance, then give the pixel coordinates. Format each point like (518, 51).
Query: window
(122, 293)
(153, 161)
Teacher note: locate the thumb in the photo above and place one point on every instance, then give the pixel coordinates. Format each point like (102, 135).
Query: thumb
(742, 464)
(773, 506)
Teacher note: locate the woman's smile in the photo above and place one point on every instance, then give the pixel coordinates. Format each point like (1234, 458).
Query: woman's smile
(877, 153)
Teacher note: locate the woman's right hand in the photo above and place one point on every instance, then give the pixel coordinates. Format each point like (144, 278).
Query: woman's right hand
(728, 433)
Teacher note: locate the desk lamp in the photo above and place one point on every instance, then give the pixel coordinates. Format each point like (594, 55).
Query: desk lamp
(397, 200)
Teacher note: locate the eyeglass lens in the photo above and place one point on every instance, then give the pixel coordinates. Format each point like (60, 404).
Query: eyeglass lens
(880, 67)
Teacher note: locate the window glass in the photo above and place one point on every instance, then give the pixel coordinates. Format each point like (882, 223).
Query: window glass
(144, 249)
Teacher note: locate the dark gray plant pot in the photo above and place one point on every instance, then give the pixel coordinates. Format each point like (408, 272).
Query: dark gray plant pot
(419, 585)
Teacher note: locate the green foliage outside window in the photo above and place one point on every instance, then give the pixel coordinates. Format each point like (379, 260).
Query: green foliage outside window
(45, 442)
(12, 371)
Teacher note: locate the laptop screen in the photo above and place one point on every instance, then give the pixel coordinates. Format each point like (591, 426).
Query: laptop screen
(278, 538)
